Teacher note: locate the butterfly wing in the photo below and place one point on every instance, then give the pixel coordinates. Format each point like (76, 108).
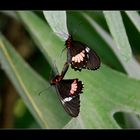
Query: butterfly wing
(93, 62)
(71, 102)
(80, 56)
(73, 107)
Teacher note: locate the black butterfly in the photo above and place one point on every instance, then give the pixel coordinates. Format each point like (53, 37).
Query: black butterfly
(81, 56)
(69, 92)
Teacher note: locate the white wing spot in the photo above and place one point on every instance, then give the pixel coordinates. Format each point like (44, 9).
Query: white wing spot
(67, 99)
(87, 49)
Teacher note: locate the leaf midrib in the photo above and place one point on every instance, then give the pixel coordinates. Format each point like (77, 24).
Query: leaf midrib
(38, 112)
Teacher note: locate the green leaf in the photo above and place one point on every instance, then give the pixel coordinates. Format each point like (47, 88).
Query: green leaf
(135, 18)
(106, 91)
(49, 44)
(132, 67)
(117, 29)
(28, 84)
(58, 25)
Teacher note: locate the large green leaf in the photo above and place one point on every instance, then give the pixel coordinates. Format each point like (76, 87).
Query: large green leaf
(132, 67)
(117, 29)
(45, 108)
(60, 28)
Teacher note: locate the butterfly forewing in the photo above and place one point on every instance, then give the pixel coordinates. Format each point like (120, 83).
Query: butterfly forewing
(73, 106)
(71, 102)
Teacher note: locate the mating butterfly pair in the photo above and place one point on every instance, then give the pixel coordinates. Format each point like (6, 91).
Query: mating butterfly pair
(79, 56)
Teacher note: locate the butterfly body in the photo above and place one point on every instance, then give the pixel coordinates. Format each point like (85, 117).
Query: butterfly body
(80, 56)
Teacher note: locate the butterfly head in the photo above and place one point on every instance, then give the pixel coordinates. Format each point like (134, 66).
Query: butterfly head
(68, 41)
(56, 80)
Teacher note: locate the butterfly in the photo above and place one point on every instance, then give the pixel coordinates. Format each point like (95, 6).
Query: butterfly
(80, 56)
(69, 91)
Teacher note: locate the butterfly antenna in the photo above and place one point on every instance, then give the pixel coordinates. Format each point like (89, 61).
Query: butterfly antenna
(50, 75)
